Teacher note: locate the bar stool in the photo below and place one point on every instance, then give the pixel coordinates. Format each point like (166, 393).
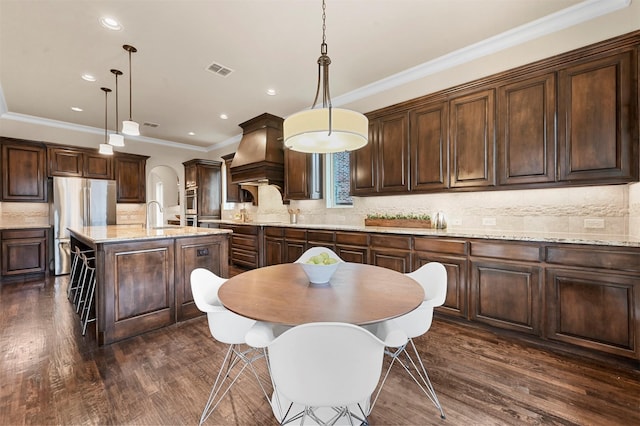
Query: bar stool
(76, 273)
(83, 281)
(85, 304)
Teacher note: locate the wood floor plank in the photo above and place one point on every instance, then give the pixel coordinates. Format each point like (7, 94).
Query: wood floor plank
(51, 375)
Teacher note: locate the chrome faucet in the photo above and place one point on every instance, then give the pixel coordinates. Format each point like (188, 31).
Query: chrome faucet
(146, 218)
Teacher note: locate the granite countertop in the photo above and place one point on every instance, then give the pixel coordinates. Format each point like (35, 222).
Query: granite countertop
(121, 233)
(27, 226)
(532, 236)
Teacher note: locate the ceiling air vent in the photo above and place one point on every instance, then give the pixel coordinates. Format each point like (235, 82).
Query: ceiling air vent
(147, 124)
(219, 69)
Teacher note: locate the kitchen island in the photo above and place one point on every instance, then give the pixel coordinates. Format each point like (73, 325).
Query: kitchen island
(142, 275)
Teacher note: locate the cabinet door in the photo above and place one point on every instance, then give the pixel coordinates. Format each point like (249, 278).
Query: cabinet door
(364, 165)
(65, 162)
(393, 154)
(506, 295)
(596, 310)
(202, 252)
(23, 172)
(296, 175)
(96, 166)
(429, 147)
(209, 189)
(471, 126)
(233, 189)
(274, 250)
(596, 127)
(190, 176)
(130, 179)
(24, 252)
(391, 251)
(456, 301)
(526, 131)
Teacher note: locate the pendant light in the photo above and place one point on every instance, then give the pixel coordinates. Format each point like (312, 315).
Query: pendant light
(105, 148)
(130, 127)
(327, 129)
(116, 139)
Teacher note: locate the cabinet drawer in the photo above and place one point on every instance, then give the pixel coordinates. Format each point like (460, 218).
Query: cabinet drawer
(321, 236)
(592, 257)
(391, 241)
(295, 234)
(273, 232)
(352, 238)
(247, 241)
(240, 229)
(440, 245)
(12, 234)
(244, 257)
(504, 250)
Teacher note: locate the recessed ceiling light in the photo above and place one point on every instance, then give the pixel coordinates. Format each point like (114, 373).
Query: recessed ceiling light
(224, 116)
(88, 77)
(110, 23)
(191, 134)
(271, 92)
(77, 109)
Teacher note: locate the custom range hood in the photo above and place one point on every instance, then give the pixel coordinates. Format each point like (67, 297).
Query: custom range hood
(260, 155)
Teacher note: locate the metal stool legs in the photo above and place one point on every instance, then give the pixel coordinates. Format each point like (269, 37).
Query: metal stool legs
(87, 308)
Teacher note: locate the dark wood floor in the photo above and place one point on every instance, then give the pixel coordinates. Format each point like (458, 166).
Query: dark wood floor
(50, 374)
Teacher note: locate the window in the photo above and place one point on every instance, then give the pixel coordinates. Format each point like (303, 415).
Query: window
(338, 183)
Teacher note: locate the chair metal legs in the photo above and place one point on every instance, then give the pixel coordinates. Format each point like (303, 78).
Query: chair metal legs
(415, 369)
(224, 380)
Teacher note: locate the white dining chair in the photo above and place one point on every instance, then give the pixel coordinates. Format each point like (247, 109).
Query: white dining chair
(314, 251)
(433, 279)
(324, 372)
(225, 327)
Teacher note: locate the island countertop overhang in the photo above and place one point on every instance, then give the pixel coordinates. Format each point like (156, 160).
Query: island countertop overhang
(123, 233)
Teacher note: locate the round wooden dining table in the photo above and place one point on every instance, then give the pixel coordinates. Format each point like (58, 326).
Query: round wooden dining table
(357, 294)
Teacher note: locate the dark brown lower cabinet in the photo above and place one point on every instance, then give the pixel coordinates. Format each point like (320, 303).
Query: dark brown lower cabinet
(24, 251)
(452, 254)
(391, 251)
(136, 286)
(203, 252)
(506, 295)
(594, 310)
(273, 246)
(295, 244)
(353, 246)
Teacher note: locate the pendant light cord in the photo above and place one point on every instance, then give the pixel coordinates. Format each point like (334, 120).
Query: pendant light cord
(130, 89)
(323, 70)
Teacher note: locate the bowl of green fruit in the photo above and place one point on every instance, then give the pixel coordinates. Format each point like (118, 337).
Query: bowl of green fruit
(320, 268)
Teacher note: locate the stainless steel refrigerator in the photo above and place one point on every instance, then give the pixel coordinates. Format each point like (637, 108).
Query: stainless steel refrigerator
(78, 202)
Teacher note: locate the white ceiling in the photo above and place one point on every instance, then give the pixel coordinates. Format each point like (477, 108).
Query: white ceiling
(46, 45)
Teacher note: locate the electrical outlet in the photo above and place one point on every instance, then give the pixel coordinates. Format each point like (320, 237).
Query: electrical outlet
(594, 223)
(456, 222)
(488, 221)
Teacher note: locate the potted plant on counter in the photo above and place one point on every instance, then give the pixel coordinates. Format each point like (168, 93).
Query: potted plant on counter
(398, 220)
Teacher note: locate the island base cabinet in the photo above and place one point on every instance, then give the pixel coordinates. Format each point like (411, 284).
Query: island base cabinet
(210, 253)
(135, 288)
(595, 310)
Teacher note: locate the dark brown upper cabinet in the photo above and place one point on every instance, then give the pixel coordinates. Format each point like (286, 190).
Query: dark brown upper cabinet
(471, 124)
(235, 194)
(382, 166)
(23, 171)
(76, 162)
(364, 165)
(205, 176)
(303, 175)
(526, 131)
(598, 119)
(393, 153)
(429, 147)
(130, 174)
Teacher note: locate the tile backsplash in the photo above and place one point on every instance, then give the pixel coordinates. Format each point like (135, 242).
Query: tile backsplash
(612, 210)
